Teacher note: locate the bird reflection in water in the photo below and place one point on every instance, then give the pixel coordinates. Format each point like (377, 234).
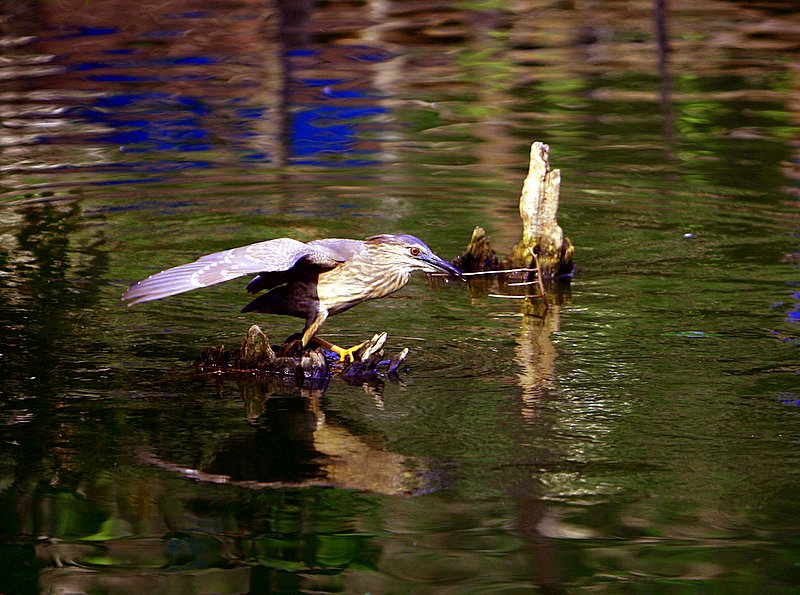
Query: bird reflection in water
(290, 443)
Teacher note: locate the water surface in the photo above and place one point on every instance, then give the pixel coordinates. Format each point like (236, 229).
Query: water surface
(643, 435)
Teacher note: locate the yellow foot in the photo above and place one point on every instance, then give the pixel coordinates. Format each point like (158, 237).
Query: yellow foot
(341, 352)
(345, 353)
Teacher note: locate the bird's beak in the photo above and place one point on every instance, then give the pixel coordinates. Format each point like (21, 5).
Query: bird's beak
(436, 265)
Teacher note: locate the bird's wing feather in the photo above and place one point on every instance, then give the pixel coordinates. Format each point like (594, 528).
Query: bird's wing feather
(271, 256)
(323, 254)
(337, 248)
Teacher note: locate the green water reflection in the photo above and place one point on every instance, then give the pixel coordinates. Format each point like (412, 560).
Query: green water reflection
(642, 436)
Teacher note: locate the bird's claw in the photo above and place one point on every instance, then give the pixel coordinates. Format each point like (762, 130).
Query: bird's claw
(364, 349)
(347, 353)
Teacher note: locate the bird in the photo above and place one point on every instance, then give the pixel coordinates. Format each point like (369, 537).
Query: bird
(310, 280)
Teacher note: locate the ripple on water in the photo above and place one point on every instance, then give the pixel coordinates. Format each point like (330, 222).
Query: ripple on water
(469, 357)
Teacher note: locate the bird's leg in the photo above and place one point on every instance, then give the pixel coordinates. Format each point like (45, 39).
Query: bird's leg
(341, 352)
(313, 325)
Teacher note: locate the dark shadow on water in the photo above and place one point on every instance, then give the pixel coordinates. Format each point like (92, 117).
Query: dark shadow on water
(279, 449)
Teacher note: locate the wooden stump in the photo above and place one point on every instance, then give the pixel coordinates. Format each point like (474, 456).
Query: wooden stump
(538, 207)
(479, 255)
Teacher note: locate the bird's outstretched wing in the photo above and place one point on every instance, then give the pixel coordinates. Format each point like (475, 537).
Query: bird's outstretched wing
(263, 257)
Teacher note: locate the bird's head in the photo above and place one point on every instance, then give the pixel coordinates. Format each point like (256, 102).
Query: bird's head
(407, 253)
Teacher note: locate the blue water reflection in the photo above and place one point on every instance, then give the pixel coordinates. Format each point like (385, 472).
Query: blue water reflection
(320, 131)
(159, 108)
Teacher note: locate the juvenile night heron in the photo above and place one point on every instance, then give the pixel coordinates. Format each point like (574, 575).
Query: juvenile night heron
(311, 280)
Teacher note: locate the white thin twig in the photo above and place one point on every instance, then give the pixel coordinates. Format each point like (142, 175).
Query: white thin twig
(500, 272)
(522, 283)
(512, 297)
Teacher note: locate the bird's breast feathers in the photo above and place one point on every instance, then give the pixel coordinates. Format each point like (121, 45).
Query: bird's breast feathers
(347, 285)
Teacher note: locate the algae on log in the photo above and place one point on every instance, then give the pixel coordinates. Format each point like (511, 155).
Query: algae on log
(538, 207)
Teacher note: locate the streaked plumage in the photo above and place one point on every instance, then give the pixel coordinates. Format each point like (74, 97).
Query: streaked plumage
(311, 280)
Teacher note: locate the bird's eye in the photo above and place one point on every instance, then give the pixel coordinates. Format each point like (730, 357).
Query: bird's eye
(414, 251)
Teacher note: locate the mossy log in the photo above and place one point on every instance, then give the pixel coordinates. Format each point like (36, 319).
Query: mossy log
(290, 360)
